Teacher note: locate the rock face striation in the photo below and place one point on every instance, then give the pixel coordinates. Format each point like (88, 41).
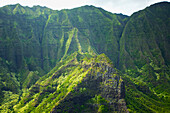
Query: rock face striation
(39, 37)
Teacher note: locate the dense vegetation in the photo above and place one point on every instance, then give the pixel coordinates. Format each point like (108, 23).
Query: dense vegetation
(50, 59)
(75, 85)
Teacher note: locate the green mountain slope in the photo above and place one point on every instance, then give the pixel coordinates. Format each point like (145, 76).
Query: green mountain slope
(144, 56)
(40, 37)
(80, 83)
(146, 38)
(36, 41)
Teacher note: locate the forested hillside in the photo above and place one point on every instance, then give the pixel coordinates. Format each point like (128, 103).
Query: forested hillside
(50, 59)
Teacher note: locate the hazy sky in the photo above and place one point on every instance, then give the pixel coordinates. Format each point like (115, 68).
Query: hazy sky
(115, 6)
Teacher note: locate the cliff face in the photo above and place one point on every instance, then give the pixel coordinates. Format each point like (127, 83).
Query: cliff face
(40, 37)
(144, 57)
(145, 38)
(33, 40)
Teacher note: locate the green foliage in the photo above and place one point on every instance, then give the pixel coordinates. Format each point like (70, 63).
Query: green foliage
(64, 88)
(143, 59)
(9, 100)
(102, 103)
(142, 91)
(102, 109)
(99, 100)
(33, 40)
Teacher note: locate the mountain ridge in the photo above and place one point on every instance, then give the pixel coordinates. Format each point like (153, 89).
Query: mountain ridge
(33, 40)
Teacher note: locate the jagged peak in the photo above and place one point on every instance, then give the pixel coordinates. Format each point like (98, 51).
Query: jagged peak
(18, 8)
(17, 5)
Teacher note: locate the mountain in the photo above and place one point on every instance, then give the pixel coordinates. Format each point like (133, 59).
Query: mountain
(50, 59)
(80, 83)
(146, 38)
(44, 36)
(144, 56)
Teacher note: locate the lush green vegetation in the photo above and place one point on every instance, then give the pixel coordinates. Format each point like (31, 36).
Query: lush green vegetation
(71, 87)
(144, 57)
(146, 92)
(49, 60)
